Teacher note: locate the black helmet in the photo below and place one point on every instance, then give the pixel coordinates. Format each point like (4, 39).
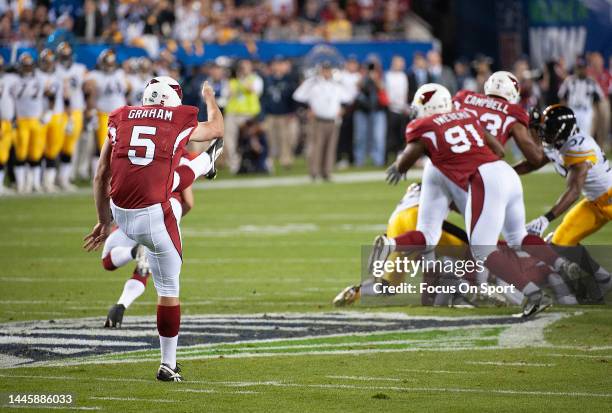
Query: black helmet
(46, 60)
(107, 60)
(558, 124)
(26, 63)
(64, 53)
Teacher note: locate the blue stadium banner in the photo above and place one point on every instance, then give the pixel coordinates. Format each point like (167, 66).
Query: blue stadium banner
(265, 51)
(568, 28)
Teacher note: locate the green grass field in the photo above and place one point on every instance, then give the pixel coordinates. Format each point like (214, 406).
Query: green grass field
(273, 258)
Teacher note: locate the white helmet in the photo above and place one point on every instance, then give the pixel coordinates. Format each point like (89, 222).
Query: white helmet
(162, 90)
(431, 99)
(504, 85)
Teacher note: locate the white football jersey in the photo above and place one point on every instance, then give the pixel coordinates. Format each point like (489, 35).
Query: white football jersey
(29, 92)
(583, 148)
(7, 101)
(137, 86)
(110, 88)
(55, 85)
(409, 200)
(73, 77)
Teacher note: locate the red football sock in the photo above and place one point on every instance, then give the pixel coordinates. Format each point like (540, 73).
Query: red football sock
(168, 320)
(537, 247)
(107, 263)
(411, 238)
(505, 265)
(142, 278)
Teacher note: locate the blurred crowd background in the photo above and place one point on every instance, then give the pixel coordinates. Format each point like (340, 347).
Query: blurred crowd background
(334, 110)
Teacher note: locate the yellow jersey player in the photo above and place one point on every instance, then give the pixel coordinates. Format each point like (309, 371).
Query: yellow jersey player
(106, 89)
(7, 117)
(73, 75)
(402, 220)
(577, 157)
(55, 125)
(29, 94)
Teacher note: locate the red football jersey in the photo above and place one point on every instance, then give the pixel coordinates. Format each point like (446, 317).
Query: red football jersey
(148, 142)
(497, 115)
(455, 143)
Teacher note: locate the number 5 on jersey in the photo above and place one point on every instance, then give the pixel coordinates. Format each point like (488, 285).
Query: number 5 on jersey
(137, 142)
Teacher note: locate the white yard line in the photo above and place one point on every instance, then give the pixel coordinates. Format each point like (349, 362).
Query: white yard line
(38, 406)
(132, 399)
(594, 356)
(509, 363)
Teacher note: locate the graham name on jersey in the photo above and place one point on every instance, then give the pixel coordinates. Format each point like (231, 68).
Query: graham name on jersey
(154, 113)
(488, 103)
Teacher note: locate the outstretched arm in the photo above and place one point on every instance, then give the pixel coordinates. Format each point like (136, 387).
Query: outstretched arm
(413, 151)
(102, 199)
(529, 147)
(213, 127)
(575, 181)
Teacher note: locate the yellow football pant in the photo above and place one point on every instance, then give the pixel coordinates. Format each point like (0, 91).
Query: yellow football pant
(405, 221)
(102, 132)
(585, 218)
(70, 140)
(56, 131)
(30, 142)
(7, 136)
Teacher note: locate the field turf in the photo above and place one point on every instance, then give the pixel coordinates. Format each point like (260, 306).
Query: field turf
(273, 258)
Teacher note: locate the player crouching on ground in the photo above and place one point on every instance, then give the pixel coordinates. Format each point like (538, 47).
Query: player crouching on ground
(119, 250)
(139, 164)
(576, 156)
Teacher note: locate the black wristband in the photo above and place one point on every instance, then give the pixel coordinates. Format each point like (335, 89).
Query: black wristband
(549, 216)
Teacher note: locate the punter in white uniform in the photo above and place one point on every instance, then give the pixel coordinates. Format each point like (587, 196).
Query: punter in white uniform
(7, 118)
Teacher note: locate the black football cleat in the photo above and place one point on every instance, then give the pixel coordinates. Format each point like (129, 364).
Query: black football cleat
(114, 319)
(214, 151)
(165, 373)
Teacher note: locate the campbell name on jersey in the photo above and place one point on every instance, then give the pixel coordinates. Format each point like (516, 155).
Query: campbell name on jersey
(583, 148)
(73, 77)
(29, 92)
(496, 114)
(111, 89)
(7, 101)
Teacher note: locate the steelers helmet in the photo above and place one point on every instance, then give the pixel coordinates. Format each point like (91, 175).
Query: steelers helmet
(46, 60)
(558, 124)
(26, 63)
(107, 60)
(64, 53)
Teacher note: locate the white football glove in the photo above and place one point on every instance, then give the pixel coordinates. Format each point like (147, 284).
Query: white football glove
(538, 226)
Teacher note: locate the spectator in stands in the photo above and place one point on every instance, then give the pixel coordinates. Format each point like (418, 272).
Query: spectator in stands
(396, 85)
(245, 88)
(370, 119)
(324, 97)
(89, 25)
(338, 27)
(553, 74)
(463, 74)
(602, 116)
(418, 75)
(440, 73)
(252, 148)
(279, 108)
(582, 94)
(482, 66)
(530, 90)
